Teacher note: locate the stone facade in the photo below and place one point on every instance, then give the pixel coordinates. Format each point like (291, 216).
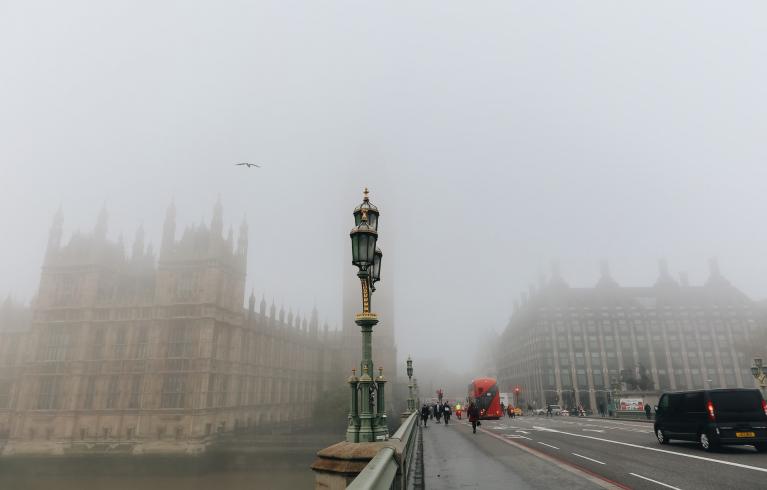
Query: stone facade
(568, 345)
(138, 353)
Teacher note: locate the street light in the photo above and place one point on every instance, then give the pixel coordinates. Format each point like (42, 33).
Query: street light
(367, 414)
(410, 400)
(375, 268)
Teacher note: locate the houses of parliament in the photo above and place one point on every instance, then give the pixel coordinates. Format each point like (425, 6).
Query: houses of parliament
(153, 351)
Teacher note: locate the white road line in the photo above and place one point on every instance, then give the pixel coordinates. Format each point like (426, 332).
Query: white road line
(549, 445)
(692, 456)
(655, 481)
(584, 457)
(599, 481)
(593, 430)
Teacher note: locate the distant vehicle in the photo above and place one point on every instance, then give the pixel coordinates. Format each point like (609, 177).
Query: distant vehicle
(484, 392)
(563, 412)
(713, 418)
(539, 411)
(556, 410)
(517, 411)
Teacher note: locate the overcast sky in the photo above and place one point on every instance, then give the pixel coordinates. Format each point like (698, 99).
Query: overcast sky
(495, 136)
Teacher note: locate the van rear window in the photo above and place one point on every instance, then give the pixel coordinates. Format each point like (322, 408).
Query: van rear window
(737, 401)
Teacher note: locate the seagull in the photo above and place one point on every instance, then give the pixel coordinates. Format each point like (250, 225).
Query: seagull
(248, 164)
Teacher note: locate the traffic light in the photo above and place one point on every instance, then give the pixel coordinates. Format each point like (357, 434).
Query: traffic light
(516, 390)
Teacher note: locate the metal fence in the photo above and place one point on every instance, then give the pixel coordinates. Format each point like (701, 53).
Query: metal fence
(391, 466)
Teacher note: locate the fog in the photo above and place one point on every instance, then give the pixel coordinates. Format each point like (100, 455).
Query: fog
(494, 137)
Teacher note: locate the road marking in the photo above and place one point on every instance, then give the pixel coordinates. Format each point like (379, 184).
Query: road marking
(523, 431)
(599, 480)
(585, 457)
(593, 430)
(512, 436)
(549, 445)
(655, 481)
(692, 456)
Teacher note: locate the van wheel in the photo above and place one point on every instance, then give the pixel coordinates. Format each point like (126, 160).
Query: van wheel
(706, 442)
(662, 438)
(761, 447)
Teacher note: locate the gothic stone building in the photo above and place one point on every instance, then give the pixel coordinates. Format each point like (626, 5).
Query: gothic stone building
(144, 354)
(569, 346)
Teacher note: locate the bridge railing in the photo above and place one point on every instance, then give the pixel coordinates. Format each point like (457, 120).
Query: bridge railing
(391, 466)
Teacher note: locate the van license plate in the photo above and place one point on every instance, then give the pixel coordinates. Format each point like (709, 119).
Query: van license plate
(745, 434)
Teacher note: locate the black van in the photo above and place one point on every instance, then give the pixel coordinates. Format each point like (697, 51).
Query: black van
(713, 417)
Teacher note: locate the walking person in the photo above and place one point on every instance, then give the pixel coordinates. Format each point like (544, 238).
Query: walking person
(447, 412)
(647, 411)
(425, 414)
(473, 412)
(548, 411)
(437, 412)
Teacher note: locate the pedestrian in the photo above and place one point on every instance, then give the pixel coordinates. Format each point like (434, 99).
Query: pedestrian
(447, 412)
(647, 411)
(437, 412)
(458, 410)
(473, 412)
(549, 411)
(601, 409)
(425, 414)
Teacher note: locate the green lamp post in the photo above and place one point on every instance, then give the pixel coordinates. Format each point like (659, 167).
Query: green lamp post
(410, 400)
(367, 415)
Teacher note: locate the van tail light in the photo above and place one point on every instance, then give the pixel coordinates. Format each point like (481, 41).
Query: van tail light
(764, 406)
(710, 410)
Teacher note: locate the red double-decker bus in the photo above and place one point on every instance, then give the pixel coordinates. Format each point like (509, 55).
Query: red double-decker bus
(484, 392)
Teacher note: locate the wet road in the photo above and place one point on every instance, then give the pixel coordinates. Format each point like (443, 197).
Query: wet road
(617, 454)
(455, 458)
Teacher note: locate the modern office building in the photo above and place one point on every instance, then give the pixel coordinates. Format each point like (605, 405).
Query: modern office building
(573, 346)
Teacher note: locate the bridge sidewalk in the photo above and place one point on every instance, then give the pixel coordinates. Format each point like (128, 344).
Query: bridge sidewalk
(455, 458)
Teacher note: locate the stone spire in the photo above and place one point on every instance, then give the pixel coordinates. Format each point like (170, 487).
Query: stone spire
(100, 230)
(664, 278)
(251, 304)
(138, 243)
(242, 239)
(556, 279)
(54, 235)
(715, 277)
(217, 223)
(273, 311)
(314, 322)
(605, 279)
(168, 230)
(262, 306)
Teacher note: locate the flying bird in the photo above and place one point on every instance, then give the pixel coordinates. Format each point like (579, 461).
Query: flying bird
(248, 164)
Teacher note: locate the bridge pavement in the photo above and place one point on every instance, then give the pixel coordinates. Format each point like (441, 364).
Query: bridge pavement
(539, 452)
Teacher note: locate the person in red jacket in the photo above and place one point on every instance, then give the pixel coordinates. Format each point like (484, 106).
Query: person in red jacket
(473, 412)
